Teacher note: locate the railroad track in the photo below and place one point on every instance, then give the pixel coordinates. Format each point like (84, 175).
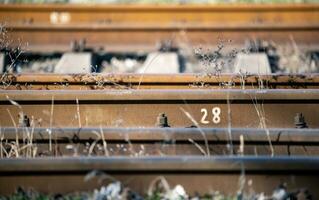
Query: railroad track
(197, 174)
(156, 81)
(181, 108)
(139, 142)
(54, 27)
(57, 129)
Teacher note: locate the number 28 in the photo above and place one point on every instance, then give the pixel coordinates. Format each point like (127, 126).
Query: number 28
(216, 115)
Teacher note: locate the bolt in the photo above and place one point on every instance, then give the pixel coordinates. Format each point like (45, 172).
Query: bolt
(74, 46)
(82, 44)
(300, 121)
(24, 121)
(162, 120)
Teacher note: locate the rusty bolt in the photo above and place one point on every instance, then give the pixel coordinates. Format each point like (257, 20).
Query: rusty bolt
(82, 44)
(162, 120)
(74, 45)
(24, 121)
(300, 121)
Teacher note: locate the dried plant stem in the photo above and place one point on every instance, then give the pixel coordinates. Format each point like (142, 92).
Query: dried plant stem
(14, 148)
(51, 123)
(241, 145)
(197, 145)
(146, 67)
(230, 137)
(262, 123)
(189, 116)
(127, 139)
(30, 138)
(92, 146)
(106, 152)
(15, 127)
(78, 112)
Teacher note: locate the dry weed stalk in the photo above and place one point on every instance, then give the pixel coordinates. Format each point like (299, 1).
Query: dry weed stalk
(78, 112)
(197, 145)
(262, 122)
(51, 123)
(229, 120)
(190, 117)
(241, 149)
(106, 152)
(15, 127)
(146, 67)
(243, 77)
(29, 139)
(100, 136)
(14, 53)
(132, 151)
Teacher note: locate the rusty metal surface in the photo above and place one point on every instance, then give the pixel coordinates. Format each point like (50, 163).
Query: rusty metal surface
(139, 142)
(147, 39)
(152, 81)
(199, 164)
(136, 96)
(140, 135)
(197, 174)
(126, 117)
(116, 25)
(168, 148)
(184, 108)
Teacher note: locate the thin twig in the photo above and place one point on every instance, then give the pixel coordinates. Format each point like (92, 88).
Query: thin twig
(78, 112)
(106, 152)
(15, 126)
(189, 116)
(51, 122)
(197, 145)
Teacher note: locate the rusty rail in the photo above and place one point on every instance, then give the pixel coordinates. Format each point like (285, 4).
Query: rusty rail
(153, 126)
(181, 108)
(152, 81)
(211, 172)
(140, 135)
(111, 26)
(261, 164)
(164, 141)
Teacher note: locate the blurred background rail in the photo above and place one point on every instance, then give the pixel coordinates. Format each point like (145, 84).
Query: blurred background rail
(188, 38)
(119, 27)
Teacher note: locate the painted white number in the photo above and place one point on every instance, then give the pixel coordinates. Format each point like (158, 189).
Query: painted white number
(204, 121)
(216, 115)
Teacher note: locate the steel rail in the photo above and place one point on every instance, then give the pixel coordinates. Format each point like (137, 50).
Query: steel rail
(161, 78)
(107, 26)
(138, 96)
(250, 135)
(148, 81)
(260, 164)
(195, 173)
(141, 108)
(170, 27)
(179, 7)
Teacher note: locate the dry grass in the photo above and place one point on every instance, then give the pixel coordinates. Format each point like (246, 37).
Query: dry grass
(14, 53)
(295, 60)
(229, 127)
(51, 123)
(190, 117)
(259, 107)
